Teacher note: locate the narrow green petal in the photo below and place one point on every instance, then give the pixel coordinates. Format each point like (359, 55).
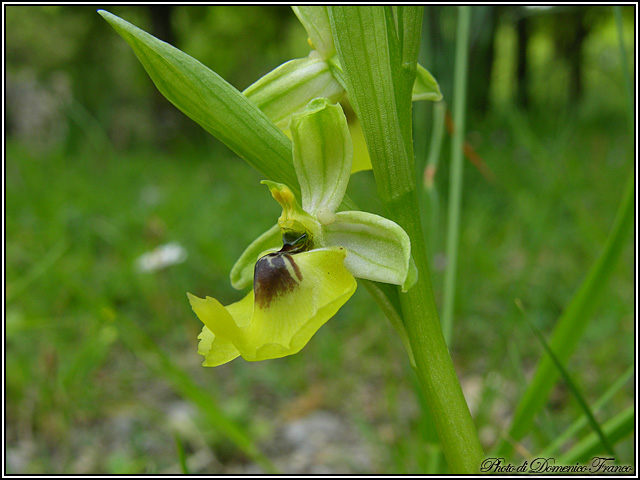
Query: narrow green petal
(294, 219)
(242, 271)
(295, 296)
(287, 89)
(315, 21)
(322, 155)
(425, 87)
(379, 249)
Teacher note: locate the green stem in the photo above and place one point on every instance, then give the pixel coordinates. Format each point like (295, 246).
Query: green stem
(379, 87)
(455, 178)
(437, 135)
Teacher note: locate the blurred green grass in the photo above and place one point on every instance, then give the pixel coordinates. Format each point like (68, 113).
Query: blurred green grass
(79, 400)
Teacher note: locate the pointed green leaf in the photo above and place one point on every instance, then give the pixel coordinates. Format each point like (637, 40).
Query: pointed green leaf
(322, 155)
(425, 87)
(212, 102)
(316, 22)
(287, 89)
(242, 271)
(378, 248)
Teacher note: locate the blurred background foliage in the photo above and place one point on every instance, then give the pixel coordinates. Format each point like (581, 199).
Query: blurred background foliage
(101, 363)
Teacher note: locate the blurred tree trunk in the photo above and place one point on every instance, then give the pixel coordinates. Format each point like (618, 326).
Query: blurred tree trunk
(481, 58)
(161, 22)
(522, 74)
(573, 53)
(166, 118)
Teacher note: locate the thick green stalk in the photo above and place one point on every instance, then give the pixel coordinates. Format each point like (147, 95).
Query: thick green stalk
(455, 177)
(379, 88)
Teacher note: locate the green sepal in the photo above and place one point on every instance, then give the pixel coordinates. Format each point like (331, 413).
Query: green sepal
(242, 272)
(315, 21)
(379, 249)
(322, 155)
(425, 87)
(287, 89)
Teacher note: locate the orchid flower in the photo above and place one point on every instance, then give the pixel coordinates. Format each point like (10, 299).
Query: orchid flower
(303, 268)
(286, 90)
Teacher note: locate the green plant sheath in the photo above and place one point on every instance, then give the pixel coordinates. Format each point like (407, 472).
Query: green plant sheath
(455, 177)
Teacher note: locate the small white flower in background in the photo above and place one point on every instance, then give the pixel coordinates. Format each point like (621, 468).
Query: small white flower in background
(161, 257)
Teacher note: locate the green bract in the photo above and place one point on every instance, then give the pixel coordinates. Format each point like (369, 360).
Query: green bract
(286, 90)
(303, 268)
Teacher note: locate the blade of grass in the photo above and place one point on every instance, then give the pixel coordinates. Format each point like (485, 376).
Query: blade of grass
(182, 457)
(572, 323)
(144, 347)
(455, 178)
(36, 271)
(571, 384)
(570, 432)
(614, 429)
(437, 134)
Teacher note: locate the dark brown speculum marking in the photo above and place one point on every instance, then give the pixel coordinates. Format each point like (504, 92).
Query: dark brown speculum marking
(272, 278)
(277, 273)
